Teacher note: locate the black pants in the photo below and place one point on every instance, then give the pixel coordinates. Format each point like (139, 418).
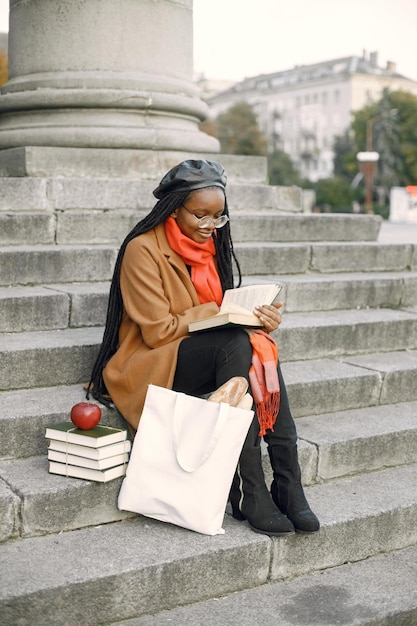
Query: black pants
(209, 359)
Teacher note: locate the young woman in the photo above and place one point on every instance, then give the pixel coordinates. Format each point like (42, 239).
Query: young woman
(172, 269)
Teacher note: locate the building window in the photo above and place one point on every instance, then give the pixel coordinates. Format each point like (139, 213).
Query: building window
(324, 97)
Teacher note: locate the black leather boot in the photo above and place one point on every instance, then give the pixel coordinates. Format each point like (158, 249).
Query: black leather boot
(287, 490)
(251, 500)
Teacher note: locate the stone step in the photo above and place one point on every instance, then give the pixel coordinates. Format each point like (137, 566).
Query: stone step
(352, 382)
(56, 357)
(330, 446)
(343, 443)
(57, 306)
(25, 413)
(379, 590)
(362, 440)
(34, 161)
(40, 264)
(23, 265)
(139, 566)
(278, 227)
(322, 334)
(25, 194)
(38, 503)
(314, 388)
(297, 258)
(81, 226)
(20, 194)
(318, 292)
(48, 358)
(102, 226)
(27, 228)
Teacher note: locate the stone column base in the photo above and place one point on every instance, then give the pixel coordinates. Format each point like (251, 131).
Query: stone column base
(102, 74)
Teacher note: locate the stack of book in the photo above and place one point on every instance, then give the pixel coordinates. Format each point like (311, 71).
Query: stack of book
(100, 454)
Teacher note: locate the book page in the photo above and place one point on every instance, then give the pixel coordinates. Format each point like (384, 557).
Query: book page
(233, 308)
(247, 298)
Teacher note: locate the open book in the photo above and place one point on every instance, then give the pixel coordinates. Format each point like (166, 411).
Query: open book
(237, 307)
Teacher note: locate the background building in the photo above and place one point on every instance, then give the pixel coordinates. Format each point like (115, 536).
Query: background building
(301, 110)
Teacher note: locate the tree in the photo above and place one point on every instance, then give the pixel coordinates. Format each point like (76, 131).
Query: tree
(281, 170)
(3, 68)
(406, 105)
(239, 133)
(209, 127)
(344, 161)
(393, 124)
(334, 192)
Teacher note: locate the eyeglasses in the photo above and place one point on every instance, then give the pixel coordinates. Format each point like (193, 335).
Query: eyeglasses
(206, 222)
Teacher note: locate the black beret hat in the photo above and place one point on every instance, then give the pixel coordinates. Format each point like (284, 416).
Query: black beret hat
(192, 174)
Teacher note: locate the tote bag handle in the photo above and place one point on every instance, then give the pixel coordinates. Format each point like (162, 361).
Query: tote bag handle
(189, 458)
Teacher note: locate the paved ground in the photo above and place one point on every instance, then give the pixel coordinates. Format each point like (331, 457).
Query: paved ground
(398, 232)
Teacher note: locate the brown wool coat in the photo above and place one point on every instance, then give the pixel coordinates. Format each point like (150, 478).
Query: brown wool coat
(159, 302)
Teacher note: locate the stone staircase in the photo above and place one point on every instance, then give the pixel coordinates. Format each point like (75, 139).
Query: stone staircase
(348, 347)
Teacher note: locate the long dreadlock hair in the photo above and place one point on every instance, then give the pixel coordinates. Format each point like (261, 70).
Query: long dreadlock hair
(160, 212)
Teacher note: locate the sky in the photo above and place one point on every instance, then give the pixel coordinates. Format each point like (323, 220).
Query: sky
(234, 39)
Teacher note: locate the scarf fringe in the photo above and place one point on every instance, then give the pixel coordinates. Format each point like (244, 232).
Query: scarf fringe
(267, 412)
(263, 378)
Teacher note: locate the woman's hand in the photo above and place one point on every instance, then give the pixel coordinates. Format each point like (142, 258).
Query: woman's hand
(269, 315)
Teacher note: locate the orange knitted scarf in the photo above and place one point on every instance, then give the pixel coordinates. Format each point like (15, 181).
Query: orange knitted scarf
(200, 257)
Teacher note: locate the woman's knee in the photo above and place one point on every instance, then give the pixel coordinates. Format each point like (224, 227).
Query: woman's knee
(239, 343)
(237, 352)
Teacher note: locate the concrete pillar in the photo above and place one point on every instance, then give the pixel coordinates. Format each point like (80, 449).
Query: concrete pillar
(102, 74)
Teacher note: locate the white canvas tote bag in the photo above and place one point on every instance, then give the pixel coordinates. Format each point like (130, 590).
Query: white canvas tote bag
(183, 460)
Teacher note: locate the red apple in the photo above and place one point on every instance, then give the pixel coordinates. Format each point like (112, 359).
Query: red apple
(85, 415)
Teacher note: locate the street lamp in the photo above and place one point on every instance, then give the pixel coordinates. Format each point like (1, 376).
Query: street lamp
(370, 158)
(368, 161)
